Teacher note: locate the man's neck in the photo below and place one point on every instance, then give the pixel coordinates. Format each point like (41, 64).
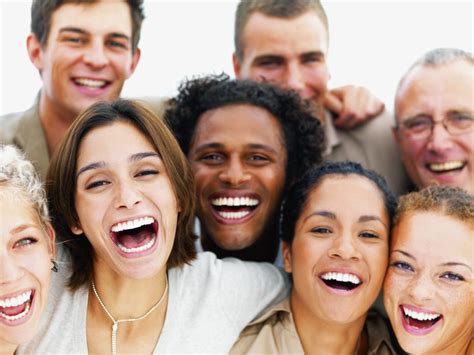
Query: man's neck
(55, 121)
(264, 249)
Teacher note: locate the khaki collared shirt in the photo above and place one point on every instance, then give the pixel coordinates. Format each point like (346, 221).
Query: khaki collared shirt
(275, 333)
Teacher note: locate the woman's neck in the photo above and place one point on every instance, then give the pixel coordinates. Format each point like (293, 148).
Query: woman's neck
(7, 348)
(319, 336)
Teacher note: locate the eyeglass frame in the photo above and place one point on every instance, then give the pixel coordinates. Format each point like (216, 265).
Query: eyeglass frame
(424, 134)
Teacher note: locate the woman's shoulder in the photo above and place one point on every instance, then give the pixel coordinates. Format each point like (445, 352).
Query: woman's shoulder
(381, 340)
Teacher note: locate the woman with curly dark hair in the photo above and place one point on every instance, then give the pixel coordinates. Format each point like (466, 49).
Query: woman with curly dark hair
(246, 142)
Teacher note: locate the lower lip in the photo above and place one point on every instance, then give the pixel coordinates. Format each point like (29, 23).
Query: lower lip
(414, 330)
(91, 92)
(139, 254)
(25, 318)
(340, 292)
(229, 221)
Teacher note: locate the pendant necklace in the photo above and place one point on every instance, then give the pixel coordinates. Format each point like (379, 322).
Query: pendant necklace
(117, 321)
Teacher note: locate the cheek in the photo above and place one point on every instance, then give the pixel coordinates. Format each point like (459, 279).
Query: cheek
(317, 76)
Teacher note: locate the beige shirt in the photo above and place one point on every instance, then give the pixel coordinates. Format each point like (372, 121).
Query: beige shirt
(275, 333)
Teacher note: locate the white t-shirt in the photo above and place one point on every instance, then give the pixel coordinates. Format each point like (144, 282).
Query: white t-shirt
(210, 302)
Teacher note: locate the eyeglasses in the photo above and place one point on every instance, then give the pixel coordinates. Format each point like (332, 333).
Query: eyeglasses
(421, 127)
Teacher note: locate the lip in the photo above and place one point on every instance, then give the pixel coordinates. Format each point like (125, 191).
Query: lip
(233, 194)
(27, 316)
(340, 292)
(415, 330)
(88, 91)
(137, 254)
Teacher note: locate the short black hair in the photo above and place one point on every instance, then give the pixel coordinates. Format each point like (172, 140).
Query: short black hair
(302, 131)
(297, 196)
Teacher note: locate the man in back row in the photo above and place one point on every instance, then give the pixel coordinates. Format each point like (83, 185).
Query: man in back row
(286, 43)
(84, 51)
(434, 108)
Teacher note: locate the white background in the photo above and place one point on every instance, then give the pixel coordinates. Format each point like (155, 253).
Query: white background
(372, 43)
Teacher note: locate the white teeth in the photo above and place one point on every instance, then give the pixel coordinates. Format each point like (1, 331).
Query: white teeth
(16, 301)
(137, 249)
(18, 316)
(92, 83)
(451, 165)
(132, 224)
(341, 277)
(234, 201)
(233, 215)
(420, 315)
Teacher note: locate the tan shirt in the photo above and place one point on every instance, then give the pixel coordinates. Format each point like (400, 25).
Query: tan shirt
(275, 333)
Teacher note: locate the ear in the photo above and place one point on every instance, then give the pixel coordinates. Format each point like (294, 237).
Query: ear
(76, 230)
(135, 59)
(35, 52)
(51, 240)
(236, 65)
(286, 251)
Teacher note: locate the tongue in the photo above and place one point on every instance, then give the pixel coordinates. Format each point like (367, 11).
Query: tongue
(135, 240)
(13, 311)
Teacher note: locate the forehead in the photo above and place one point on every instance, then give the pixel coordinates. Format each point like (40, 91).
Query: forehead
(434, 236)
(106, 143)
(284, 36)
(347, 195)
(15, 207)
(102, 17)
(437, 88)
(239, 125)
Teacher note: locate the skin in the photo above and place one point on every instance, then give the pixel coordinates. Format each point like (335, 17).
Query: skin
(431, 268)
(343, 227)
(238, 150)
(292, 53)
(86, 41)
(121, 185)
(437, 92)
(26, 250)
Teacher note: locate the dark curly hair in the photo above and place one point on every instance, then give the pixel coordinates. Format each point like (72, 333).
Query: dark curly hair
(303, 133)
(297, 196)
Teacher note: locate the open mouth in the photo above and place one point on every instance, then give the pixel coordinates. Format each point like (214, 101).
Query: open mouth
(15, 308)
(135, 236)
(341, 281)
(416, 322)
(447, 167)
(234, 208)
(91, 83)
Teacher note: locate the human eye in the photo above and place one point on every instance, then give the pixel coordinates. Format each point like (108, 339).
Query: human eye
(147, 172)
(401, 265)
(452, 276)
(212, 158)
(270, 62)
(368, 235)
(96, 184)
(73, 39)
(24, 242)
(258, 159)
(321, 230)
(417, 124)
(117, 44)
(312, 58)
(460, 120)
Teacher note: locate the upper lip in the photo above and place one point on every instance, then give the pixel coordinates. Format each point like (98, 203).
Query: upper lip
(342, 270)
(132, 219)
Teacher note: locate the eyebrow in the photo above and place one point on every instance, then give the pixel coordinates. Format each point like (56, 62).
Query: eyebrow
(369, 218)
(254, 146)
(132, 159)
(84, 32)
(326, 214)
(404, 253)
(454, 263)
(22, 227)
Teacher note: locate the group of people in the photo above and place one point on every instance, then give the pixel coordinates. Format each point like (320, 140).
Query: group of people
(297, 227)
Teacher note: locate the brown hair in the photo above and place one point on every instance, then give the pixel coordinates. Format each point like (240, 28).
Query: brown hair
(274, 8)
(42, 12)
(450, 201)
(61, 182)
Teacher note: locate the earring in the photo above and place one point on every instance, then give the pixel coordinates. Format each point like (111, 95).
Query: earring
(55, 267)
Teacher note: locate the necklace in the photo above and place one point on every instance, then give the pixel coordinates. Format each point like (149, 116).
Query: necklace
(117, 321)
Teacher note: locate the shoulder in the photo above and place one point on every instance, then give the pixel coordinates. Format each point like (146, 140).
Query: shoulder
(381, 341)
(9, 126)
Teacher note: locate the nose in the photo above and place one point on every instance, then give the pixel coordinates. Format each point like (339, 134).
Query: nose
(421, 288)
(234, 173)
(127, 195)
(294, 77)
(440, 139)
(95, 55)
(344, 247)
(9, 270)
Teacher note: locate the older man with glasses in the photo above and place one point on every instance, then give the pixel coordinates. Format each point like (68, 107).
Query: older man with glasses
(434, 109)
